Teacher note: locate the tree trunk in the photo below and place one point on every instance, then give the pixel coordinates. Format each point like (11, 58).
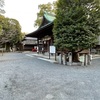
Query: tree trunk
(75, 57)
(7, 46)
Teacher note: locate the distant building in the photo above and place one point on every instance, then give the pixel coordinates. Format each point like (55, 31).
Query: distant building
(29, 43)
(44, 33)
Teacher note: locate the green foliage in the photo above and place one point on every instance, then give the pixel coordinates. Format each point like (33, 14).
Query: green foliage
(11, 30)
(1, 7)
(49, 7)
(0, 30)
(77, 24)
(1, 27)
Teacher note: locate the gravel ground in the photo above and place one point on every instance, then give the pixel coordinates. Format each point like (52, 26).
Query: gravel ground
(29, 78)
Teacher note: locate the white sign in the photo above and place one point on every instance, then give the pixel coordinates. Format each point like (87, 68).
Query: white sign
(52, 49)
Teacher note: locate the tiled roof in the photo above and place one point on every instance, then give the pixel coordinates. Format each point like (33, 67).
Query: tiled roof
(49, 16)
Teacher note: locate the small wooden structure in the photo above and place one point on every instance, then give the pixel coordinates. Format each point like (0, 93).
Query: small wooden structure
(29, 43)
(86, 57)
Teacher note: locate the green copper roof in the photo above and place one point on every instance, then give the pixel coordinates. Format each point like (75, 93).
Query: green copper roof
(49, 17)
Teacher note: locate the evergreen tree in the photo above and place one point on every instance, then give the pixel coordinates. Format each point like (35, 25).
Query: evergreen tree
(76, 26)
(10, 31)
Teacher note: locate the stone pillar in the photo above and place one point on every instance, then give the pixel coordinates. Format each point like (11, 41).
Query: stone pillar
(85, 59)
(60, 59)
(38, 45)
(70, 58)
(64, 59)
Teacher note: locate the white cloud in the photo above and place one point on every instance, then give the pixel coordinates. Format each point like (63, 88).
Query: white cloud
(24, 11)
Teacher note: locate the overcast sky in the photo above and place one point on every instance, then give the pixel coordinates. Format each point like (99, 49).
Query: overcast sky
(25, 11)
